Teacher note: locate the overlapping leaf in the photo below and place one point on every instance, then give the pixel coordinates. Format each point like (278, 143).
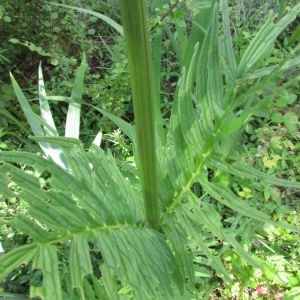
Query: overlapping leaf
(203, 131)
(93, 204)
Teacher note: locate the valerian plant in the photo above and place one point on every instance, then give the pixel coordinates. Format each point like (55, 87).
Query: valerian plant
(155, 230)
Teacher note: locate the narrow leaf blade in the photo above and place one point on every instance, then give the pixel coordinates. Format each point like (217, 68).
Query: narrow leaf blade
(73, 115)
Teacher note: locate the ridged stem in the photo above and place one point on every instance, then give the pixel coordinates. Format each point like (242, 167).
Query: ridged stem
(139, 62)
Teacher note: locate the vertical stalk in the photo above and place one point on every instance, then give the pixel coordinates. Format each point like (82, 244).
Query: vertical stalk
(139, 62)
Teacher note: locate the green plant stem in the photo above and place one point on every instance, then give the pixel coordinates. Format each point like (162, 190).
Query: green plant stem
(139, 63)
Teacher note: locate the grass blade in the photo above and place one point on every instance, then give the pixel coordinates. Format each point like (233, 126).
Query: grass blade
(73, 115)
(49, 126)
(35, 124)
(31, 117)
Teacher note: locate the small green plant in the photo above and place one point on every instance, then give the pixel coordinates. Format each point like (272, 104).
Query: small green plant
(155, 232)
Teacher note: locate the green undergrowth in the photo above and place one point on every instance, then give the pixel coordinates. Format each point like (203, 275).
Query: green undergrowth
(192, 193)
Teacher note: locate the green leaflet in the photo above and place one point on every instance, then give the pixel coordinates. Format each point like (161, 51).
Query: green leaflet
(288, 64)
(31, 228)
(16, 257)
(228, 198)
(244, 171)
(181, 227)
(46, 260)
(80, 261)
(209, 217)
(98, 288)
(142, 261)
(226, 42)
(260, 45)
